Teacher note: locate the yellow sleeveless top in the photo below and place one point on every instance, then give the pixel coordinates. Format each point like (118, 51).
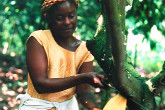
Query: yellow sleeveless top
(62, 63)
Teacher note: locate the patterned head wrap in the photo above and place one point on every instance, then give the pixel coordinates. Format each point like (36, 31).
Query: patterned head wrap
(48, 3)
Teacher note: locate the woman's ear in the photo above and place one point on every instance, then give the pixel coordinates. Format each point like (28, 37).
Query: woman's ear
(48, 19)
(49, 22)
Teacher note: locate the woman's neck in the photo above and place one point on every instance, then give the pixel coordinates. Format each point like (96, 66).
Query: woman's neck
(62, 40)
(69, 43)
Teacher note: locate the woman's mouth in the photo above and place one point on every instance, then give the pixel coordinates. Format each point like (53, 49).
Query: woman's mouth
(68, 29)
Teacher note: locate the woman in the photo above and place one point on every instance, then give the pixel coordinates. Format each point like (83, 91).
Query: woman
(59, 65)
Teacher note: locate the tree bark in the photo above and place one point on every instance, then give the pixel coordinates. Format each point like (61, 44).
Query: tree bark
(108, 48)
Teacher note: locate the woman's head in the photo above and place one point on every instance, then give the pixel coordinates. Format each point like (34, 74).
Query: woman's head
(49, 3)
(62, 17)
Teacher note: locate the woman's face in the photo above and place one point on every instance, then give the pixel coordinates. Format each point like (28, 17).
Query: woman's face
(64, 19)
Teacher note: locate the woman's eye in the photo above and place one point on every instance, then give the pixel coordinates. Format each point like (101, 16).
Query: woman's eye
(59, 18)
(72, 16)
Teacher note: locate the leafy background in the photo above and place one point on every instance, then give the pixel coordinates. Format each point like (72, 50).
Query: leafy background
(145, 26)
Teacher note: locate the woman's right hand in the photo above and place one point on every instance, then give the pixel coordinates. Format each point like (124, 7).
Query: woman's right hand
(94, 79)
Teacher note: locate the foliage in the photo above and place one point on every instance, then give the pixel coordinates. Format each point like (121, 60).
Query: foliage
(21, 17)
(144, 15)
(88, 12)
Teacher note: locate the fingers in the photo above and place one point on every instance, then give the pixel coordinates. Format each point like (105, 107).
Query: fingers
(100, 81)
(101, 76)
(97, 81)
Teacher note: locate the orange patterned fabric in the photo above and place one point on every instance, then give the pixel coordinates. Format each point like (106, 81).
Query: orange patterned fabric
(48, 3)
(62, 63)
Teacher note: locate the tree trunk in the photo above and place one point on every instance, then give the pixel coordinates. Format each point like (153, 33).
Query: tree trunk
(108, 48)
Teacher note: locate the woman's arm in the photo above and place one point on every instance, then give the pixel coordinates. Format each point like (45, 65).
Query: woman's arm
(84, 90)
(37, 65)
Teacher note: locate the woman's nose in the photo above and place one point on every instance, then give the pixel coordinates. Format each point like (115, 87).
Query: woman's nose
(67, 21)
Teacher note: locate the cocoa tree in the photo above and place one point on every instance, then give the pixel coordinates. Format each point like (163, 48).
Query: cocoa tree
(109, 50)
